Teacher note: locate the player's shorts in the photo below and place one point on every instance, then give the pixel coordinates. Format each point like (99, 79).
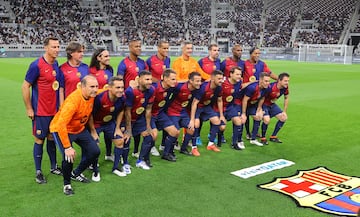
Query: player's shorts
(232, 111)
(272, 110)
(41, 125)
(139, 125)
(205, 113)
(180, 121)
(251, 110)
(161, 121)
(108, 130)
(83, 139)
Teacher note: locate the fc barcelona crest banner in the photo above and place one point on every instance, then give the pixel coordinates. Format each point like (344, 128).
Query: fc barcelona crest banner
(321, 189)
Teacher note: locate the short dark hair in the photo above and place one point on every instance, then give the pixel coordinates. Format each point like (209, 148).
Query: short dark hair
(217, 72)
(282, 75)
(232, 70)
(167, 72)
(193, 74)
(264, 74)
(161, 42)
(115, 78)
(211, 46)
(50, 38)
(144, 72)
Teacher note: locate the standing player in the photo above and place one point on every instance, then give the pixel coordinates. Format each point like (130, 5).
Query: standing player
(179, 111)
(228, 63)
(159, 62)
(107, 115)
(160, 120)
(129, 69)
(100, 67)
(252, 104)
(185, 64)
(45, 80)
(212, 62)
(138, 116)
(202, 107)
(279, 88)
(74, 69)
(68, 126)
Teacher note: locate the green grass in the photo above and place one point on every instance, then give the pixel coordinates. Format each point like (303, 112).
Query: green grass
(322, 130)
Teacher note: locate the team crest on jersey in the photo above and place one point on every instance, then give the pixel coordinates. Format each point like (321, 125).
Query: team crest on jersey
(140, 110)
(321, 189)
(137, 69)
(254, 70)
(112, 108)
(164, 67)
(106, 77)
(190, 95)
(232, 91)
(78, 74)
(55, 85)
(165, 94)
(54, 73)
(142, 100)
(162, 103)
(229, 98)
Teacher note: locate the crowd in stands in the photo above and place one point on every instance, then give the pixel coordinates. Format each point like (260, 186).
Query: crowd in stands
(175, 21)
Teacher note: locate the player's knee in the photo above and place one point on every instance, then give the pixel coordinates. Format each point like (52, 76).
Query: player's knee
(222, 128)
(174, 132)
(266, 119)
(282, 117)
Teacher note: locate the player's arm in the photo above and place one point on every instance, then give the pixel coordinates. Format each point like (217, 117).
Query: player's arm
(286, 102)
(194, 105)
(25, 88)
(244, 104)
(244, 85)
(121, 69)
(128, 123)
(220, 105)
(92, 129)
(119, 119)
(148, 117)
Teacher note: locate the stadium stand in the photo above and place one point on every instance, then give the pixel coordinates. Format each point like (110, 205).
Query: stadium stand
(278, 23)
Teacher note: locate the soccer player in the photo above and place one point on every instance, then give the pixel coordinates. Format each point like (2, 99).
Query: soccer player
(129, 68)
(107, 116)
(253, 68)
(46, 83)
(73, 69)
(185, 64)
(279, 88)
(231, 95)
(252, 102)
(202, 107)
(212, 62)
(228, 63)
(159, 62)
(100, 67)
(68, 126)
(160, 120)
(138, 116)
(179, 110)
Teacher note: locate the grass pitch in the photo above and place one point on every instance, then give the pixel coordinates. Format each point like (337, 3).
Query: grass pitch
(322, 130)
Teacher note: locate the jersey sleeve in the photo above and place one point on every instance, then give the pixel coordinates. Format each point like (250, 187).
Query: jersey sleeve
(121, 68)
(129, 97)
(33, 73)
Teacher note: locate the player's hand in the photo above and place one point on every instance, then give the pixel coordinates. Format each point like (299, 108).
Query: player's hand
(191, 125)
(243, 118)
(70, 155)
(95, 136)
(30, 113)
(118, 133)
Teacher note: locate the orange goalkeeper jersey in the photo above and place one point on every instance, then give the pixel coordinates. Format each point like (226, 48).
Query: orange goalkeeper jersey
(184, 67)
(72, 116)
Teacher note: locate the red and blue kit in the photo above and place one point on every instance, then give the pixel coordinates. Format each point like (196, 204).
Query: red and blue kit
(138, 101)
(105, 110)
(46, 80)
(181, 100)
(274, 94)
(206, 95)
(231, 93)
(254, 92)
(252, 71)
(157, 66)
(130, 69)
(228, 63)
(72, 76)
(161, 99)
(208, 65)
(102, 75)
